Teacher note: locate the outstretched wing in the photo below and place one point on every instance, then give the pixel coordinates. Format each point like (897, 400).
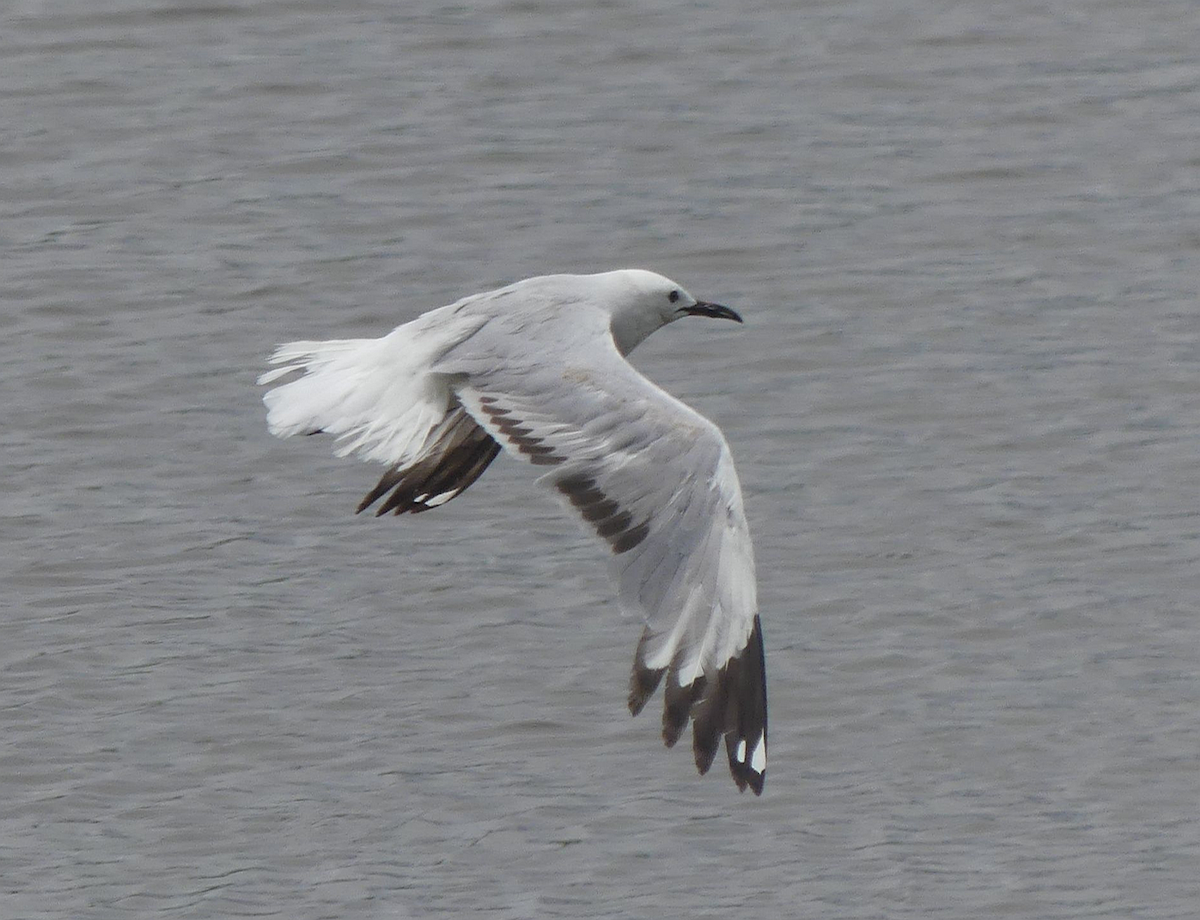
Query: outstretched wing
(656, 480)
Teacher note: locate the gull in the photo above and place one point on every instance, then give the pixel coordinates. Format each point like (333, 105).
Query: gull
(538, 368)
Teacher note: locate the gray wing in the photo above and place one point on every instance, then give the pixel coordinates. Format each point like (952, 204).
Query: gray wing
(656, 480)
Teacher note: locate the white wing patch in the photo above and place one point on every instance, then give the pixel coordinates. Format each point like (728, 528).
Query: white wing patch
(758, 760)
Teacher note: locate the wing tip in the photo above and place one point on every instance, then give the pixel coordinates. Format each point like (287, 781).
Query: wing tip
(642, 684)
(746, 738)
(454, 462)
(745, 777)
(679, 701)
(732, 706)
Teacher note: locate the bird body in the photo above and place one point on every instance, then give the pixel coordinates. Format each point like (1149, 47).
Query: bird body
(538, 368)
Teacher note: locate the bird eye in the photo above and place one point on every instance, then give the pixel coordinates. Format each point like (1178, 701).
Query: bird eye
(673, 296)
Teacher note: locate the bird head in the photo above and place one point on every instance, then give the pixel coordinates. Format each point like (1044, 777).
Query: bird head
(642, 302)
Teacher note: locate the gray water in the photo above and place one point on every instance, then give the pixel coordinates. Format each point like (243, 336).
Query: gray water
(965, 409)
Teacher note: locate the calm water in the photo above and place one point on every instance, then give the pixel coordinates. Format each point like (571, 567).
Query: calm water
(965, 408)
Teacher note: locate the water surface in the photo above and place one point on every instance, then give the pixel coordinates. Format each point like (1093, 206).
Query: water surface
(964, 407)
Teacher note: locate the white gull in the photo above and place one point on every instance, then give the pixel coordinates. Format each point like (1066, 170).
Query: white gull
(539, 369)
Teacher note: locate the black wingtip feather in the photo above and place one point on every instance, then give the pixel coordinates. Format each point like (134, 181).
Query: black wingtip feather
(459, 458)
(642, 684)
(747, 704)
(732, 704)
(678, 705)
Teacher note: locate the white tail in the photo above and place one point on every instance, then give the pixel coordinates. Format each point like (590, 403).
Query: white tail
(376, 396)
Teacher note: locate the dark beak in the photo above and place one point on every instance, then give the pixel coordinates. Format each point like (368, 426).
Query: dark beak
(714, 310)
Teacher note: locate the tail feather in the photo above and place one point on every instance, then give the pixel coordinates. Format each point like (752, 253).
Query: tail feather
(378, 397)
(382, 401)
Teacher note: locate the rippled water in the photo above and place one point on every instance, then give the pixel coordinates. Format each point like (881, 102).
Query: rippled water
(965, 410)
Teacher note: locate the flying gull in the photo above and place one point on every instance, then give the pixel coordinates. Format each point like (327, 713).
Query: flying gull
(538, 368)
